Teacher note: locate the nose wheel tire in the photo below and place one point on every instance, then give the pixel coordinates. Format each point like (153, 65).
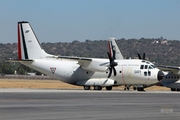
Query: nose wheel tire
(108, 87)
(140, 89)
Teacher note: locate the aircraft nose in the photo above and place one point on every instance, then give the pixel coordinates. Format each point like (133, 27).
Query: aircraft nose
(160, 75)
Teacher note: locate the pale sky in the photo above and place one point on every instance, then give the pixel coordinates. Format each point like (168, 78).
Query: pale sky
(68, 20)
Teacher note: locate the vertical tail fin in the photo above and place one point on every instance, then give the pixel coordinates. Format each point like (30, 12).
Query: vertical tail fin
(28, 45)
(114, 49)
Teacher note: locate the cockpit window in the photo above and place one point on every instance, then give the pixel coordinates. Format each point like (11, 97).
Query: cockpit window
(143, 61)
(153, 66)
(150, 67)
(146, 66)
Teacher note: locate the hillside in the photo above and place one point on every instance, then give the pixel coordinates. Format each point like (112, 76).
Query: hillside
(160, 51)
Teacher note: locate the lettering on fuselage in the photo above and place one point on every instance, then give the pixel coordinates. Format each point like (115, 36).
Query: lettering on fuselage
(137, 71)
(124, 65)
(133, 65)
(130, 65)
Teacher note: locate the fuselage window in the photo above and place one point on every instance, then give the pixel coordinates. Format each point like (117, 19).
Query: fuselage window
(149, 73)
(153, 66)
(145, 73)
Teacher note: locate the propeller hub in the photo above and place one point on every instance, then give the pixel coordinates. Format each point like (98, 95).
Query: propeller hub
(113, 64)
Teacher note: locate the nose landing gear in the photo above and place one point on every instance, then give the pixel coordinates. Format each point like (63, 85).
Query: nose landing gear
(138, 88)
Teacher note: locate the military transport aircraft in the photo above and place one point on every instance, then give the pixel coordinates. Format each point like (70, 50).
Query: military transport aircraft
(171, 78)
(85, 71)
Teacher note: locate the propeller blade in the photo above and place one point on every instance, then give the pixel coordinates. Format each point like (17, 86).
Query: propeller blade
(143, 58)
(144, 55)
(139, 56)
(109, 56)
(112, 64)
(114, 71)
(110, 72)
(114, 54)
(104, 64)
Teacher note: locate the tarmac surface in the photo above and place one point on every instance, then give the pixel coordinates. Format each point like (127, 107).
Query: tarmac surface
(42, 104)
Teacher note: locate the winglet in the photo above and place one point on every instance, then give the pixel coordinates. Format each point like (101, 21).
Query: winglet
(114, 49)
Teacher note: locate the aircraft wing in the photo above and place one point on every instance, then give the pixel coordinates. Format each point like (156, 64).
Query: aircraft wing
(17, 60)
(91, 64)
(76, 58)
(173, 69)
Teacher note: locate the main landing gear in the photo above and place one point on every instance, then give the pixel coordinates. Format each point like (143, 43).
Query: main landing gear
(175, 89)
(97, 87)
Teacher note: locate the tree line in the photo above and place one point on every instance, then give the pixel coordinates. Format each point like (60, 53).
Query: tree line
(158, 50)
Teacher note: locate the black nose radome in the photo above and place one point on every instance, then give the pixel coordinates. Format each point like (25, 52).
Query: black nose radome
(160, 75)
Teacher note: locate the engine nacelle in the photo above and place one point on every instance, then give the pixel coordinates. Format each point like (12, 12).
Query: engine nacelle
(97, 82)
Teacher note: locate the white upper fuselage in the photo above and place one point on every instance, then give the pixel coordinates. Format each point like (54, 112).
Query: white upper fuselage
(69, 71)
